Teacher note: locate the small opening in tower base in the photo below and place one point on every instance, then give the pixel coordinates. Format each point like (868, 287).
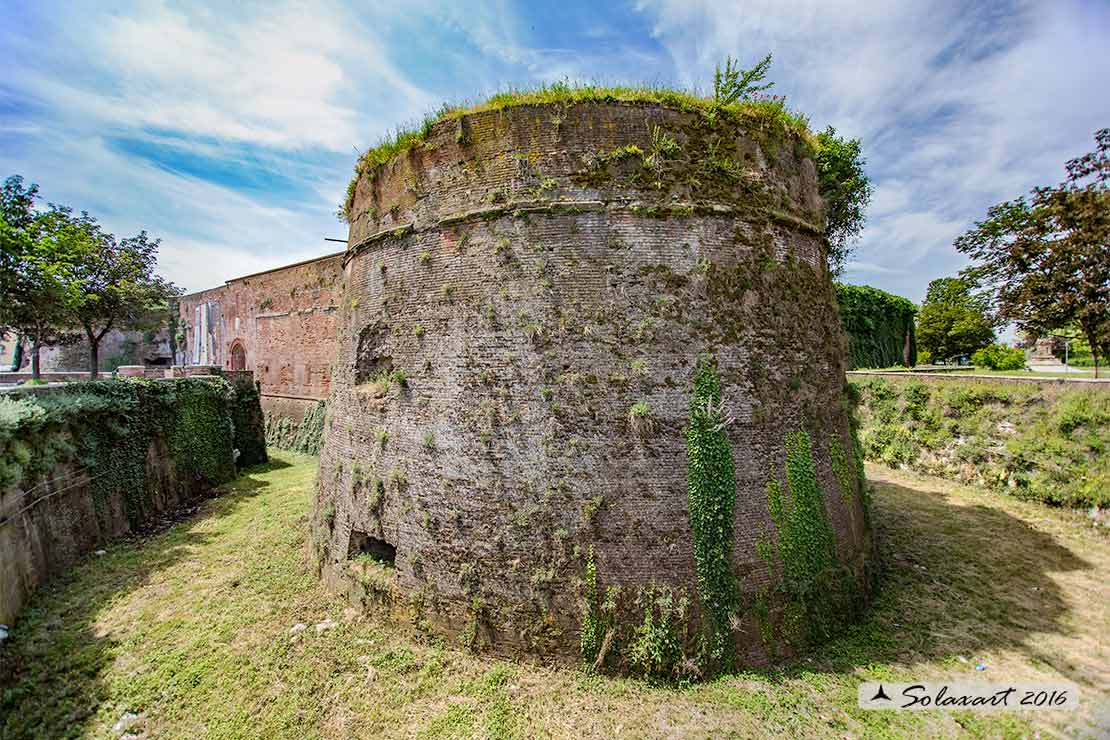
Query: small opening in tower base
(364, 545)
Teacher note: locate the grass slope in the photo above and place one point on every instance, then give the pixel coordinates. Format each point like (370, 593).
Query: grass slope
(190, 629)
(1045, 443)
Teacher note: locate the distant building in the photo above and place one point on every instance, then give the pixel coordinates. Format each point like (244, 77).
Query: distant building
(280, 324)
(116, 348)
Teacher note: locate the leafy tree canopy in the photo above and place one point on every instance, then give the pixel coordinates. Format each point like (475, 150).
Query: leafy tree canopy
(33, 297)
(953, 321)
(63, 273)
(846, 189)
(1045, 259)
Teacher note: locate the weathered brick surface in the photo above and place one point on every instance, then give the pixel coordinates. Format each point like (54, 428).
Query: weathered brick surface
(283, 319)
(530, 304)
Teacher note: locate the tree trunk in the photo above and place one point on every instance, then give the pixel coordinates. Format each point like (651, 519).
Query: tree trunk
(94, 359)
(35, 346)
(94, 354)
(1089, 331)
(17, 354)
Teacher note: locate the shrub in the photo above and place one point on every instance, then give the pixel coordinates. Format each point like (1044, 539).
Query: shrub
(656, 647)
(999, 357)
(1012, 437)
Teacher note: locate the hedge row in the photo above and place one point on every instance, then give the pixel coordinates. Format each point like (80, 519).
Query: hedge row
(106, 429)
(878, 325)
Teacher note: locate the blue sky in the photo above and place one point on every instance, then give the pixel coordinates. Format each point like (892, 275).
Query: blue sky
(231, 134)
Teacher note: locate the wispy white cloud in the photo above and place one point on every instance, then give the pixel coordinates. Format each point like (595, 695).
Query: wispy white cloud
(958, 106)
(209, 233)
(120, 110)
(283, 91)
(284, 78)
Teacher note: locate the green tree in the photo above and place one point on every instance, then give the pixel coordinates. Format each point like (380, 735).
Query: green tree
(33, 303)
(846, 190)
(953, 320)
(1045, 260)
(108, 282)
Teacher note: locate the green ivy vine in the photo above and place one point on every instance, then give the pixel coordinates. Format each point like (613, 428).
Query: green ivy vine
(307, 436)
(106, 429)
(711, 478)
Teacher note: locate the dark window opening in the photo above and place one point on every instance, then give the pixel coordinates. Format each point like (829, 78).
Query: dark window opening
(363, 545)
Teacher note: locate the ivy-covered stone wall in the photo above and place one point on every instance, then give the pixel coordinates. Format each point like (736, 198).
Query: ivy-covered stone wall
(88, 461)
(879, 325)
(295, 425)
(517, 423)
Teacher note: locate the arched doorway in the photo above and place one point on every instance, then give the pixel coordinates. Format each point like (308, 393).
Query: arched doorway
(238, 357)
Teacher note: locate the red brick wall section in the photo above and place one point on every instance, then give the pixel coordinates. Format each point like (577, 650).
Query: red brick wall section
(285, 321)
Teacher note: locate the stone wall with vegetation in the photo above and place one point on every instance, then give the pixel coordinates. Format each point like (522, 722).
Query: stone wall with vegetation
(879, 325)
(589, 392)
(1044, 441)
(86, 462)
(294, 424)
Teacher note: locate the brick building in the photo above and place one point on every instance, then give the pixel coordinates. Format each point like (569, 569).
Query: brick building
(280, 324)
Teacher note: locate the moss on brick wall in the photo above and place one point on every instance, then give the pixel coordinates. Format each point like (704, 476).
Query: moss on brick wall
(305, 436)
(106, 430)
(1025, 439)
(545, 287)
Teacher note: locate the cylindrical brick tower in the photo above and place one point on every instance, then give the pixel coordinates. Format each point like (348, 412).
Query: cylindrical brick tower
(539, 304)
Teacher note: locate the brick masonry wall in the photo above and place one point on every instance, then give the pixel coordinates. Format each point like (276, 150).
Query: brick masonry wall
(283, 319)
(532, 288)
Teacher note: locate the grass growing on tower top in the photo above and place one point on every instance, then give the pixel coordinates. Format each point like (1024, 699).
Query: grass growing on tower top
(763, 110)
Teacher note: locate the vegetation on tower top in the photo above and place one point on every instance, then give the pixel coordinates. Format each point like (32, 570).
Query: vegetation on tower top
(765, 110)
(738, 98)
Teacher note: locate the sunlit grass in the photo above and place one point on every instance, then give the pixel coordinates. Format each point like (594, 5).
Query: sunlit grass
(190, 629)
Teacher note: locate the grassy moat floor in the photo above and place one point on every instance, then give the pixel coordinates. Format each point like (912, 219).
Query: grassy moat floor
(186, 634)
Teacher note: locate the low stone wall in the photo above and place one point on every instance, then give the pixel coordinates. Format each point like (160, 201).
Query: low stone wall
(942, 375)
(83, 463)
(23, 377)
(152, 372)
